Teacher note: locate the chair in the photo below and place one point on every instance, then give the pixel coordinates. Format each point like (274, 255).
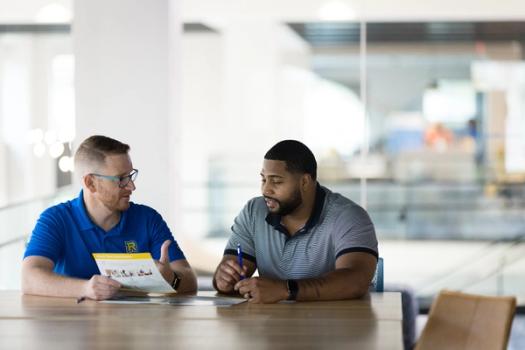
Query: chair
(464, 321)
(378, 279)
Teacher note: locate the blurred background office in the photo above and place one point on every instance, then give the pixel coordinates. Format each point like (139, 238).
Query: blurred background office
(414, 109)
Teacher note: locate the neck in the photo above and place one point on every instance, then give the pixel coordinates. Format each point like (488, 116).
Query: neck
(100, 214)
(299, 217)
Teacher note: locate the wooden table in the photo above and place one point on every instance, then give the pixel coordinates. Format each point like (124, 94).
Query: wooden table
(31, 322)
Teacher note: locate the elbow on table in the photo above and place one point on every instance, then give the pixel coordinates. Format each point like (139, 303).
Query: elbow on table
(358, 291)
(25, 284)
(30, 273)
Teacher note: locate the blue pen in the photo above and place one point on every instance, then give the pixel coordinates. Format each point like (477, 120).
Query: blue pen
(239, 258)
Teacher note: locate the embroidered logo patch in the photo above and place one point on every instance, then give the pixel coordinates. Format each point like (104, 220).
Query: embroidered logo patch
(131, 246)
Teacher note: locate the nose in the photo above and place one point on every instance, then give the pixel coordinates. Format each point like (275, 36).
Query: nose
(266, 189)
(131, 185)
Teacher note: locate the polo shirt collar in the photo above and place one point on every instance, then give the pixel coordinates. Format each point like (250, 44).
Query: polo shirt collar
(320, 194)
(81, 214)
(84, 220)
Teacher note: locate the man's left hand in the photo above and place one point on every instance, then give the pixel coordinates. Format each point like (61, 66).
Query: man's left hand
(262, 290)
(163, 264)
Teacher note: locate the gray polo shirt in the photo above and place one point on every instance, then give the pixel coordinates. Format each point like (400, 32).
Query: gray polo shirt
(336, 226)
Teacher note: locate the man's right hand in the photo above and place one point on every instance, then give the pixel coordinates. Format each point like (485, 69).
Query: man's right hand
(100, 288)
(228, 274)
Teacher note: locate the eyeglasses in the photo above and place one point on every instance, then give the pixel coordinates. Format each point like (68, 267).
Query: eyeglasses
(123, 181)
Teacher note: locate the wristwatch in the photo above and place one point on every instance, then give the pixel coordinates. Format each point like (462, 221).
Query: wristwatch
(176, 281)
(293, 289)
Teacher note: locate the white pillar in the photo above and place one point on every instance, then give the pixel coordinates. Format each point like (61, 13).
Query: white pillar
(127, 74)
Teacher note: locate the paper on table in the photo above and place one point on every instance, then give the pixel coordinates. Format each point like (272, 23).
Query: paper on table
(134, 271)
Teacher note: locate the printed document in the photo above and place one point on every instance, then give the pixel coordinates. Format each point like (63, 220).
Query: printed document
(136, 272)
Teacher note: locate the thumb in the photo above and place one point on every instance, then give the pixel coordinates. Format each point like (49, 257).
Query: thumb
(164, 254)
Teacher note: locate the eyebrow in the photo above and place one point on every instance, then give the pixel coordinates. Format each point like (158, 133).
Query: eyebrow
(125, 173)
(272, 176)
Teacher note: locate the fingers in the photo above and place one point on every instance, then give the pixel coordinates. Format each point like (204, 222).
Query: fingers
(164, 253)
(228, 274)
(163, 264)
(246, 286)
(244, 271)
(107, 281)
(101, 287)
(261, 290)
(248, 290)
(232, 268)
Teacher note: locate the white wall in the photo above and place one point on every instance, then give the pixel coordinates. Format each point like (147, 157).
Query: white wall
(25, 79)
(238, 99)
(127, 74)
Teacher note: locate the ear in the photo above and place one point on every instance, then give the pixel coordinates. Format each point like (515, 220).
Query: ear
(306, 179)
(89, 183)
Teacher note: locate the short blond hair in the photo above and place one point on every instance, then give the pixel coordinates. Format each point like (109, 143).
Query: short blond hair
(94, 150)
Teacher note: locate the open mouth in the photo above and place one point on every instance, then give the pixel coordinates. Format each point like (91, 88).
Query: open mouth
(271, 203)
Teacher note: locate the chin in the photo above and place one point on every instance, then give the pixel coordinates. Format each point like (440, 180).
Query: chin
(123, 206)
(275, 211)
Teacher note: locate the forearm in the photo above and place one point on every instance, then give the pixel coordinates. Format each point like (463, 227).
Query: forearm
(40, 281)
(188, 283)
(344, 283)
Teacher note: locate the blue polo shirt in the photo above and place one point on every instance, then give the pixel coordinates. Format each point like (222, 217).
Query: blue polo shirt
(65, 234)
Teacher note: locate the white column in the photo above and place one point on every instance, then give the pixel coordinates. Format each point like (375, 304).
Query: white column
(127, 64)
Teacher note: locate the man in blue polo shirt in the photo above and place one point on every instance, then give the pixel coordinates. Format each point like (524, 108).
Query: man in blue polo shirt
(58, 260)
(306, 242)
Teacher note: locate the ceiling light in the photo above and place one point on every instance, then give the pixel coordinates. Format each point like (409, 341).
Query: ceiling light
(56, 150)
(39, 149)
(336, 10)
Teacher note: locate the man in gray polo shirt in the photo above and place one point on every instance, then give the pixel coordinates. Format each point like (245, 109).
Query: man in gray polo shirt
(306, 242)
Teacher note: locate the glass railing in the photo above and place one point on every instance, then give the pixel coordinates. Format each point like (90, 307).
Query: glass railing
(16, 223)
(420, 211)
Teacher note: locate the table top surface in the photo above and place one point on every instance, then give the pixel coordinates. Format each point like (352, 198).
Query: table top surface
(373, 322)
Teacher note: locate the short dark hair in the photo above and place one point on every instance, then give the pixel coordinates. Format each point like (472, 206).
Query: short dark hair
(96, 148)
(298, 157)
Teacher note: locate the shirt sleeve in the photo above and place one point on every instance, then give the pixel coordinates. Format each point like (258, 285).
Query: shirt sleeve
(160, 233)
(242, 232)
(354, 232)
(46, 239)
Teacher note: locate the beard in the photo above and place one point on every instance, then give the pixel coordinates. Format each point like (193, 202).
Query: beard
(113, 201)
(287, 206)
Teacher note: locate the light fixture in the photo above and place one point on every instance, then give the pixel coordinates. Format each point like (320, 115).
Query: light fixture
(53, 13)
(39, 149)
(35, 136)
(65, 164)
(336, 10)
(56, 150)
(50, 137)
(54, 142)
